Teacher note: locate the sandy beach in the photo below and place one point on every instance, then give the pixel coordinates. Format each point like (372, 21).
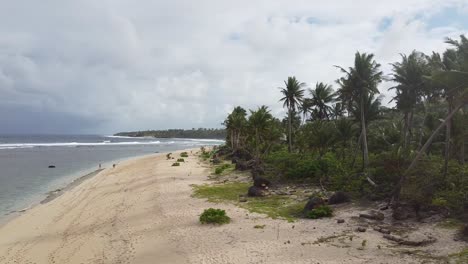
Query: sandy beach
(142, 212)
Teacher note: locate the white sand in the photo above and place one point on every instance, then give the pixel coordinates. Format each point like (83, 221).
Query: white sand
(142, 212)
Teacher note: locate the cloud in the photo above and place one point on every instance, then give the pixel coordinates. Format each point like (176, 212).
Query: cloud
(126, 65)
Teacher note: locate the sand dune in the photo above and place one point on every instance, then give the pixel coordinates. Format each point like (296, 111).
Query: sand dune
(142, 212)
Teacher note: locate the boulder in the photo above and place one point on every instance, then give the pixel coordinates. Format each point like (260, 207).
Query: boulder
(313, 203)
(261, 182)
(361, 229)
(51, 166)
(373, 215)
(338, 198)
(340, 221)
(255, 192)
(242, 165)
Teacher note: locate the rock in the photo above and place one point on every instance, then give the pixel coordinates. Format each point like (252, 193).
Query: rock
(465, 231)
(383, 208)
(313, 203)
(338, 198)
(414, 239)
(382, 230)
(51, 166)
(373, 215)
(340, 221)
(261, 182)
(242, 165)
(361, 229)
(255, 192)
(402, 213)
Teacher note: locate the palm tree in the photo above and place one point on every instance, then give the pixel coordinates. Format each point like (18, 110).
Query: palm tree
(259, 121)
(305, 108)
(235, 125)
(322, 96)
(345, 131)
(293, 94)
(409, 76)
(359, 83)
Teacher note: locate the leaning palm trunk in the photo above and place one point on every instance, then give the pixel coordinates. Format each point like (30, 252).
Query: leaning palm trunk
(447, 139)
(356, 150)
(365, 150)
(290, 130)
(397, 191)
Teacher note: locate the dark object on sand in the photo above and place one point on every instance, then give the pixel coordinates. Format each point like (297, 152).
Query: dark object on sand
(340, 221)
(313, 203)
(339, 197)
(51, 166)
(373, 215)
(465, 231)
(361, 229)
(113, 165)
(411, 240)
(261, 182)
(255, 192)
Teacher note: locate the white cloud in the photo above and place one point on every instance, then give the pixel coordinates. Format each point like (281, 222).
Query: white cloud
(160, 64)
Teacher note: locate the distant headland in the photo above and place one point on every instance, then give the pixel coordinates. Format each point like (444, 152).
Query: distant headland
(203, 133)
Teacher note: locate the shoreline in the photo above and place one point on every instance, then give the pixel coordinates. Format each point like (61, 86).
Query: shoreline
(53, 193)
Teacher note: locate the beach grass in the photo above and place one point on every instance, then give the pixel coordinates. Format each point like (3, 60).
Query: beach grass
(276, 207)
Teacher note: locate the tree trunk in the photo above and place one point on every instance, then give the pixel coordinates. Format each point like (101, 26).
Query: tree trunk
(421, 128)
(405, 130)
(409, 133)
(447, 139)
(396, 195)
(290, 130)
(356, 150)
(365, 150)
(232, 139)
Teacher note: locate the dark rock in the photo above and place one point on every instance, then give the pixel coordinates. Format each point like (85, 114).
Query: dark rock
(339, 197)
(383, 208)
(361, 229)
(313, 203)
(51, 166)
(465, 231)
(340, 221)
(412, 239)
(373, 215)
(255, 192)
(402, 213)
(242, 165)
(382, 230)
(261, 182)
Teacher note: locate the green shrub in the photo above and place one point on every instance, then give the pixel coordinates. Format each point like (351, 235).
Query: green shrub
(319, 212)
(222, 168)
(175, 164)
(184, 154)
(180, 160)
(214, 216)
(168, 155)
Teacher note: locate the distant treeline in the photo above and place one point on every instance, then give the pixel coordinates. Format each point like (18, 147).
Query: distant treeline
(206, 133)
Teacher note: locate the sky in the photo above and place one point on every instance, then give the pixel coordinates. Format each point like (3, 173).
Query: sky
(100, 67)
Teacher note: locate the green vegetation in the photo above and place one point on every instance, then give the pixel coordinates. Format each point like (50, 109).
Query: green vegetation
(273, 206)
(205, 155)
(180, 160)
(184, 154)
(319, 212)
(214, 216)
(175, 164)
(168, 156)
(345, 140)
(460, 257)
(223, 168)
(178, 133)
(259, 226)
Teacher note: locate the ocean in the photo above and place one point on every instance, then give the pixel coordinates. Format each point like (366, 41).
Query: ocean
(25, 176)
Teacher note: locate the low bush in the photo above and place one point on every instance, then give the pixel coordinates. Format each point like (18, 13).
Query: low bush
(222, 168)
(184, 154)
(180, 160)
(175, 164)
(168, 155)
(319, 212)
(214, 216)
